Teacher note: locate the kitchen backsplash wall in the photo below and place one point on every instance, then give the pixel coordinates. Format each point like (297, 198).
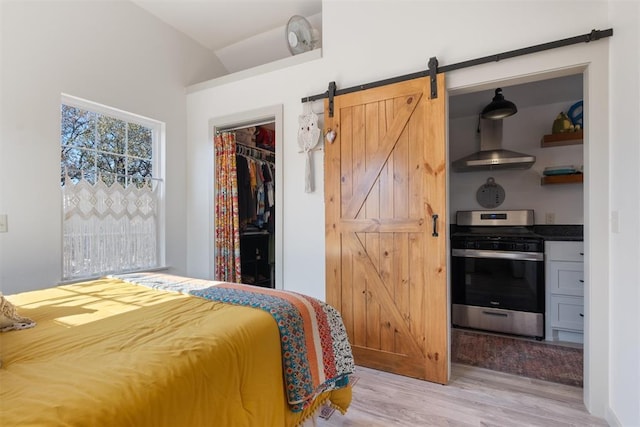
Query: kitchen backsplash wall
(522, 132)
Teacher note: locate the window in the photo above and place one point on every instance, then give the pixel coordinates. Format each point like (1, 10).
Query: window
(111, 190)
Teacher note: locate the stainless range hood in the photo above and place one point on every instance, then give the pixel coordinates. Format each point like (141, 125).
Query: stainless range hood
(491, 155)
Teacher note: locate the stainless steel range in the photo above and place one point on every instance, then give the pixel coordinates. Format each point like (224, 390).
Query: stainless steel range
(497, 272)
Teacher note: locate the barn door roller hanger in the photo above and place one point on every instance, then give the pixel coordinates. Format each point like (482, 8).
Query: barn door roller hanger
(434, 69)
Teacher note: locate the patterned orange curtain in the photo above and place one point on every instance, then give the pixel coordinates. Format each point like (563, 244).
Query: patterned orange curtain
(226, 210)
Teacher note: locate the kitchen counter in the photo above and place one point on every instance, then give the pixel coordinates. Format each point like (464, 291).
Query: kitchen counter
(560, 232)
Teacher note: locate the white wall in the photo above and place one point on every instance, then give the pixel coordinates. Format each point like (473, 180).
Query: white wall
(262, 48)
(113, 53)
(2, 184)
(303, 213)
(522, 133)
(624, 346)
(394, 38)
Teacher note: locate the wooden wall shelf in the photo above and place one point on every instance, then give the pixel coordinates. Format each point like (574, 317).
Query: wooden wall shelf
(565, 138)
(562, 179)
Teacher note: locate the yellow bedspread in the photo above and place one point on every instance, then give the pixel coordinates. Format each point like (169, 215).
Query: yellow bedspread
(109, 353)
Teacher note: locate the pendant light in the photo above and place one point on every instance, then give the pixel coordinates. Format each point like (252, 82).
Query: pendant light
(499, 108)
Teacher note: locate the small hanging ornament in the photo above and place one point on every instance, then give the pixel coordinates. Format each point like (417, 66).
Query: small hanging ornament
(330, 136)
(308, 137)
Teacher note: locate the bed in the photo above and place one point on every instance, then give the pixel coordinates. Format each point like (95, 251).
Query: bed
(160, 350)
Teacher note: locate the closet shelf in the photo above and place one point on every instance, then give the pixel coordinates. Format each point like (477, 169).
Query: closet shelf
(559, 139)
(254, 260)
(254, 233)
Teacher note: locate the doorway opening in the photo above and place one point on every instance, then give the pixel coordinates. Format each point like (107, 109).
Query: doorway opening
(559, 211)
(258, 137)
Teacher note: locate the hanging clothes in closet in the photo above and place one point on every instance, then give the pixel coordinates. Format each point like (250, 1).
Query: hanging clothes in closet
(256, 189)
(255, 160)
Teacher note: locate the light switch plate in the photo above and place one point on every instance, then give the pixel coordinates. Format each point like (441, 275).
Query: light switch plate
(4, 226)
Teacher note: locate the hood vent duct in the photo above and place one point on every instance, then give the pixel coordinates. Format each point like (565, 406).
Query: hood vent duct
(491, 155)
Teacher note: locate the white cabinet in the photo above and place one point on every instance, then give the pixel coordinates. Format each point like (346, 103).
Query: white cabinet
(564, 281)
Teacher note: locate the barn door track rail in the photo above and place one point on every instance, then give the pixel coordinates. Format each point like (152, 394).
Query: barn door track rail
(435, 69)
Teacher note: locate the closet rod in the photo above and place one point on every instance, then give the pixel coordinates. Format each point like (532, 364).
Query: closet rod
(584, 38)
(244, 126)
(269, 152)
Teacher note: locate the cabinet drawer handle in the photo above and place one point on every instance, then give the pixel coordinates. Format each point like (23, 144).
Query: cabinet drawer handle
(581, 253)
(581, 315)
(581, 280)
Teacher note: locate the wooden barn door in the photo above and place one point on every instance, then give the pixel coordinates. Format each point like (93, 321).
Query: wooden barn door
(385, 177)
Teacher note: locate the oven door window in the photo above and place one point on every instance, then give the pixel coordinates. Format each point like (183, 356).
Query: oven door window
(499, 283)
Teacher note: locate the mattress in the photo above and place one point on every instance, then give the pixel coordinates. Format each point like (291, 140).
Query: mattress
(108, 352)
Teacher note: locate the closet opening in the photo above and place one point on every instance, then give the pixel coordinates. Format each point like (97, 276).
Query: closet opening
(246, 199)
(255, 172)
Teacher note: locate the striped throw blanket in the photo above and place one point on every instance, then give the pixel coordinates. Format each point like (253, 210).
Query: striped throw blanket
(316, 354)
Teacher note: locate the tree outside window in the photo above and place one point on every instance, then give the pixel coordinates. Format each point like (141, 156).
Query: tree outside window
(95, 145)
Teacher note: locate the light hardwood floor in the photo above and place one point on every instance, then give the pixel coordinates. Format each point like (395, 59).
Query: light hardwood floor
(473, 397)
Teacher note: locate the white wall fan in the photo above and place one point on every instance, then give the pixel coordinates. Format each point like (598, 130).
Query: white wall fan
(301, 36)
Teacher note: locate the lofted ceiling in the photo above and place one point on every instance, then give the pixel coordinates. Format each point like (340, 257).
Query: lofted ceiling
(226, 27)
(217, 24)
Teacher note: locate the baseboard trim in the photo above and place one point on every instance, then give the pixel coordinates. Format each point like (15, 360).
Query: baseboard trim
(611, 418)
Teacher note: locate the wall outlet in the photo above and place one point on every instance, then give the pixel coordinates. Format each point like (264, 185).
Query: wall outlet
(550, 218)
(4, 226)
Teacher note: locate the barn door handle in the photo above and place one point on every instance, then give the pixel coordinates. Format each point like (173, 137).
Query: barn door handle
(435, 225)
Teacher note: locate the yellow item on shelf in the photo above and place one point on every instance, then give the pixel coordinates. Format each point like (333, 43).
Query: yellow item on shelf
(561, 123)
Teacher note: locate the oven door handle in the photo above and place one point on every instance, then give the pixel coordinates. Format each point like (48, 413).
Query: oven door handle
(520, 256)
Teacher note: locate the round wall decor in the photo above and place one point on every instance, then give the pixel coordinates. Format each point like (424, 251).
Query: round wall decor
(490, 194)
